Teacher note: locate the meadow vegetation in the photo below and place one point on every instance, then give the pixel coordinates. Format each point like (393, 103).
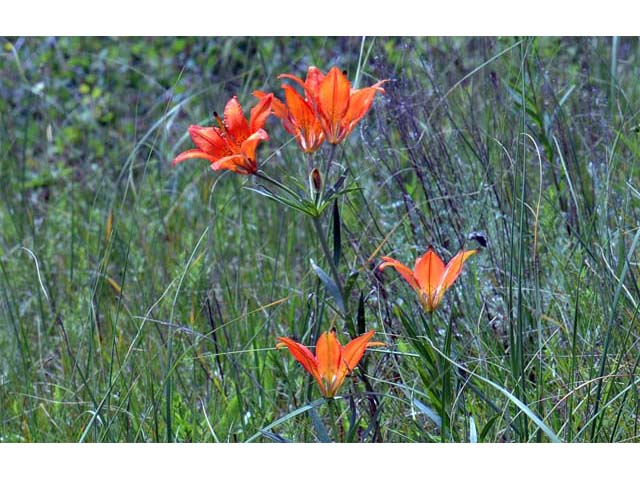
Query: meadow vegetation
(142, 302)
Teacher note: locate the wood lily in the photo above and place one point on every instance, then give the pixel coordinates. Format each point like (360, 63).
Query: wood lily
(329, 109)
(232, 144)
(331, 362)
(298, 118)
(430, 277)
(340, 107)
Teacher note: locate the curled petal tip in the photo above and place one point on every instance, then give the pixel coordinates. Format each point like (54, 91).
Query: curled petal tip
(378, 85)
(262, 134)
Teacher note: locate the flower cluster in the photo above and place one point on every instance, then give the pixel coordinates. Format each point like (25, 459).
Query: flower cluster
(328, 109)
(317, 109)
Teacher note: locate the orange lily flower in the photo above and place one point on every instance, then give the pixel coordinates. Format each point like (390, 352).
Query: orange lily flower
(331, 363)
(430, 277)
(232, 144)
(339, 107)
(330, 108)
(298, 118)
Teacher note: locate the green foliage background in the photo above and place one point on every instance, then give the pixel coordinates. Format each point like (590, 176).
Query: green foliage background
(141, 302)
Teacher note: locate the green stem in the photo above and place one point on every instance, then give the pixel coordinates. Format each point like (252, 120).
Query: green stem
(446, 385)
(334, 415)
(325, 248)
(334, 147)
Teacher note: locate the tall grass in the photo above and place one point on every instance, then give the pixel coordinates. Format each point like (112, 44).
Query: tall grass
(141, 302)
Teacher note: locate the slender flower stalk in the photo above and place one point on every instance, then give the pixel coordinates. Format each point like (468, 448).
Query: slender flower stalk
(430, 277)
(332, 362)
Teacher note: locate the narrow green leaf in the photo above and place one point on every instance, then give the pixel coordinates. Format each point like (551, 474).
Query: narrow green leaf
(286, 417)
(330, 285)
(429, 412)
(274, 436)
(321, 430)
(283, 201)
(515, 400)
(337, 247)
(361, 320)
(487, 427)
(473, 433)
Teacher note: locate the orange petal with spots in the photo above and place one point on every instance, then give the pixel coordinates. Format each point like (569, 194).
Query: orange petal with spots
(306, 126)
(209, 140)
(278, 107)
(328, 356)
(248, 147)
(359, 104)
(234, 120)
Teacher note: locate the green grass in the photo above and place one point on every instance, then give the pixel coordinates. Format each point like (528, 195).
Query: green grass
(141, 302)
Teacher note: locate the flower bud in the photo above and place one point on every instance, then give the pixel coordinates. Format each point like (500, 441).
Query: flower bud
(315, 181)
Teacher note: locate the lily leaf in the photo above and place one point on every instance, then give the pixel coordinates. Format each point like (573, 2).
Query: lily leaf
(286, 417)
(282, 200)
(338, 185)
(330, 285)
(321, 430)
(361, 320)
(337, 247)
(274, 436)
(429, 412)
(473, 432)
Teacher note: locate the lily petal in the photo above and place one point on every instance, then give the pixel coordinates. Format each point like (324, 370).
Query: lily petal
(428, 271)
(359, 104)
(278, 107)
(308, 131)
(402, 269)
(195, 153)
(235, 163)
(260, 112)
(303, 355)
(248, 147)
(312, 84)
(234, 120)
(300, 110)
(454, 267)
(333, 102)
(292, 77)
(329, 358)
(209, 140)
(354, 350)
